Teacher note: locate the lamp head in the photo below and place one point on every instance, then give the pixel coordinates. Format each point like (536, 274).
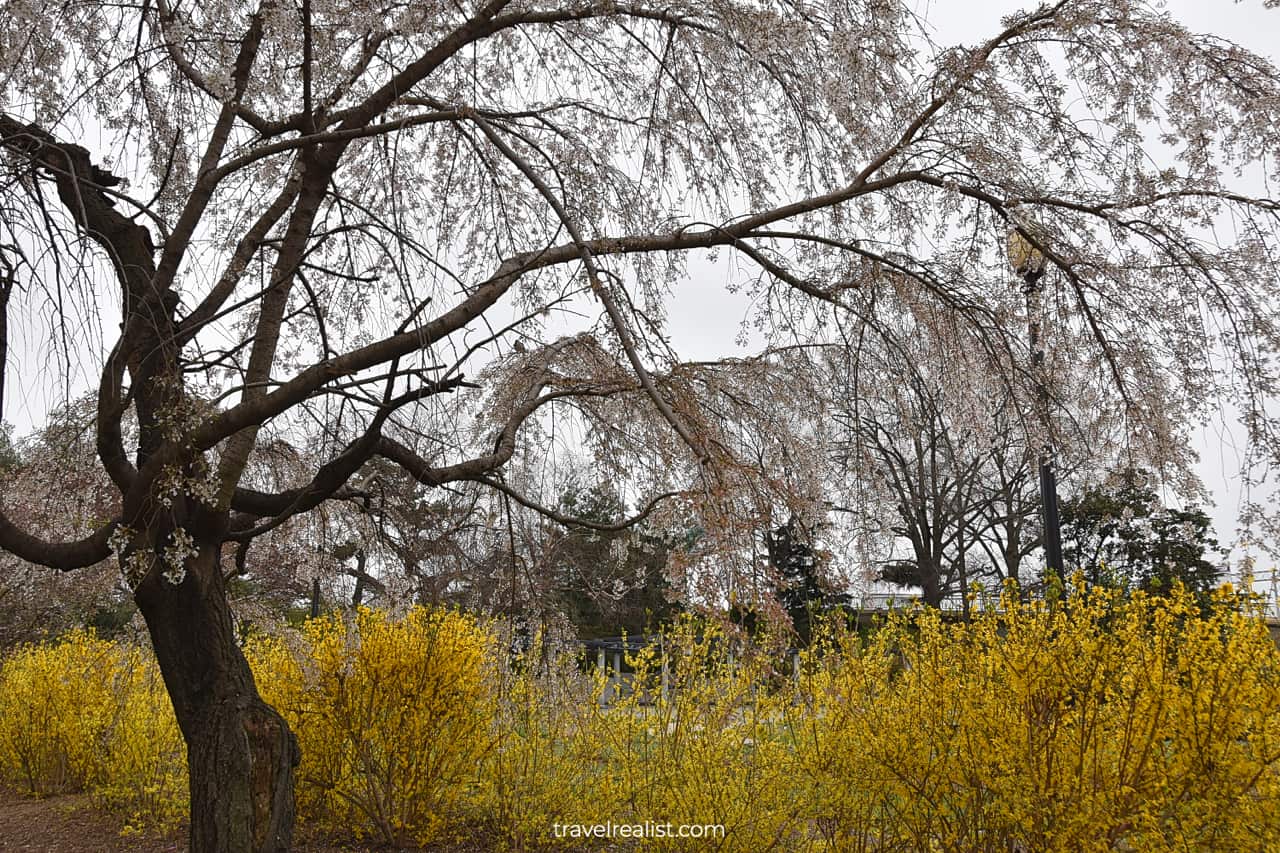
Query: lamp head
(1025, 258)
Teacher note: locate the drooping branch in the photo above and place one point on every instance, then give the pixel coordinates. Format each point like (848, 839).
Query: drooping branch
(81, 186)
(319, 164)
(575, 521)
(258, 405)
(64, 556)
(598, 286)
(504, 444)
(147, 307)
(267, 405)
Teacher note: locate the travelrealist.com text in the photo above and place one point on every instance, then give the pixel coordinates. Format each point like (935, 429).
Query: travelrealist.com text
(648, 829)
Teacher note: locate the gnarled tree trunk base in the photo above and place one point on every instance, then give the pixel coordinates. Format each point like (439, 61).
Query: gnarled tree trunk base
(240, 752)
(242, 780)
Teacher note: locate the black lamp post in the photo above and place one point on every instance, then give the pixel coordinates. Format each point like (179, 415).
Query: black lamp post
(1029, 263)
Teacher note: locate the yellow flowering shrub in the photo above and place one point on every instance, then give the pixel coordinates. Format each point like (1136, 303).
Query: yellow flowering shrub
(550, 756)
(55, 706)
(1090, 722)
(553, 759)
(84, 714)
(713, 748)
(392, 716)
(141, 767)
(1099, 724)
(1096, 723)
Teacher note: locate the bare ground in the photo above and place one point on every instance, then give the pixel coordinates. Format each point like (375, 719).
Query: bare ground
(68, 823)
(64, 823)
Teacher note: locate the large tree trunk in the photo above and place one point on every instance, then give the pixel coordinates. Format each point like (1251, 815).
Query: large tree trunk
(930, 587)
(240, 752)
(930, 578)
(928, 573)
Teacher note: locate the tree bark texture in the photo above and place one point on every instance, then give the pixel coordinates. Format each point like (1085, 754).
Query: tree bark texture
(240, 752)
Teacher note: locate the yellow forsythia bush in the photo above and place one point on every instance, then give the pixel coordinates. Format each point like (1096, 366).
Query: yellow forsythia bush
(55, 702)
(1092, 722)
(392, 716)
(1095, 723)
(548, 751)
(713, 751)
(716, 749)
(85, 714)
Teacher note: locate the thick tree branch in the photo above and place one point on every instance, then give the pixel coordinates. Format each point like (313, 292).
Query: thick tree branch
(334, 474)
(482, 297)
(64, 556)
(598, 286)
(207, 175)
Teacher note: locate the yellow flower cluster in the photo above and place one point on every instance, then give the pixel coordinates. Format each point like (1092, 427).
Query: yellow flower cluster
(715, 747)
(1095, 724)
(85, 714)
(393, 717)
(1092, 722)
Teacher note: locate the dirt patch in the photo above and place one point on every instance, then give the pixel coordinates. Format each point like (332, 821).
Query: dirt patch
(68, 823)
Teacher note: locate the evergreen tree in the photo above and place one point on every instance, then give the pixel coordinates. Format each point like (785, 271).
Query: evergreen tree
(611, 582)
(1122, 534)
(800, 589)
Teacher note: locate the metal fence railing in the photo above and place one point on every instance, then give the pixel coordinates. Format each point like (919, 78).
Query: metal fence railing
(894, 601)
(1267, 596)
